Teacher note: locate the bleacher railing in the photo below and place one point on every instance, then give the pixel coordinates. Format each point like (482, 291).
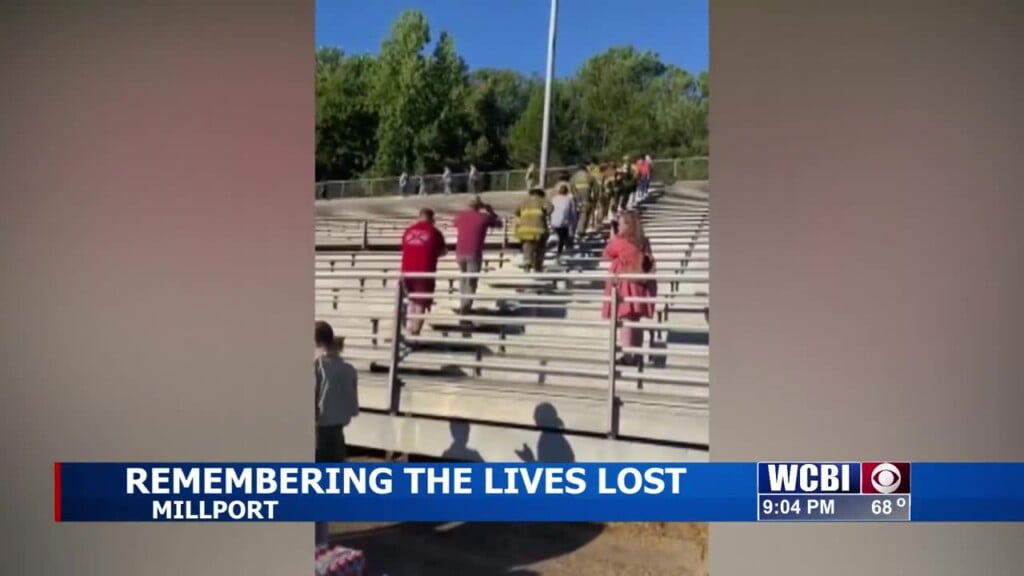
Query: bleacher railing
(663, 169)
(399, 314)
(357, 233)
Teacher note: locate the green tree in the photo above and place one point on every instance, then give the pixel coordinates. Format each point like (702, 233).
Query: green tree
(700, 124)
(497, 99)
(400, 92)
(346, 118)
(442, 141)
(407, 109)
(525, 136)
(327, 59)
(614, 88)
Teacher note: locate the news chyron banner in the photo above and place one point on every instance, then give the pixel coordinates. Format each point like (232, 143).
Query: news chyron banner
(874, 491)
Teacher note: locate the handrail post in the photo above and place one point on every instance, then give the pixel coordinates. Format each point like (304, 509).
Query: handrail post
(396, 342)
(366, 234)
(613, 417)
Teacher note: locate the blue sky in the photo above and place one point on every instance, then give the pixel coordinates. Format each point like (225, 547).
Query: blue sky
(513, 33)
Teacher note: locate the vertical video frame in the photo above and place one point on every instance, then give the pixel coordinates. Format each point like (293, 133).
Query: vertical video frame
(512, 262)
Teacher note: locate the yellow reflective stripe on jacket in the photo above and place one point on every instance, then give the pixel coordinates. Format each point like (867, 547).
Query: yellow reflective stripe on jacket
(531, 225)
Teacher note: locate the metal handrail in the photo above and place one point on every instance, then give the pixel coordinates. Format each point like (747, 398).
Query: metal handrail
(492, 268)
(654, 161)
(491, 253)
(514, 321)
(356, 224)
(324, 223)
(511, 179)
(681, 264)
(510, 240)
(539, 277)
(392, 222)
(505, 234)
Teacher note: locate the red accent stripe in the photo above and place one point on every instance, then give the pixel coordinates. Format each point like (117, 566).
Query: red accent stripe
(56, 492)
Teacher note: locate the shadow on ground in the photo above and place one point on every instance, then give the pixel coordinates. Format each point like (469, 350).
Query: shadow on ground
(482, 549)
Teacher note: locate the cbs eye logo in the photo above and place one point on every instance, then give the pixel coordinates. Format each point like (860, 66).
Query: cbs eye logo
(885, 477)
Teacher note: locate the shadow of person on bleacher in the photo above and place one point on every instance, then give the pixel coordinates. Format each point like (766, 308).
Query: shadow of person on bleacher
(479, 548)
(552, 445)
(459, 449)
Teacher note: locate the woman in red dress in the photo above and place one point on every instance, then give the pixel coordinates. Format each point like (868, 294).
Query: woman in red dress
(629, 252)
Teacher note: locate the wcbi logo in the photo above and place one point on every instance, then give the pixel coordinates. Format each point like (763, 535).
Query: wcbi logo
(833, 477)
(808, 477)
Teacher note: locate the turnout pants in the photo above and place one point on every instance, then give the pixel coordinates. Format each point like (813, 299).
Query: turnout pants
(585, 218)
(533, 253)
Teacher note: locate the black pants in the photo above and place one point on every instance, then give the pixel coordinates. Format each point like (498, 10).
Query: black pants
(564, 238)
(330, 448)
(623, 201)
(330, 444)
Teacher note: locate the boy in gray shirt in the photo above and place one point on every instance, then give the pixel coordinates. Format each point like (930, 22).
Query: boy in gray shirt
(337, 402)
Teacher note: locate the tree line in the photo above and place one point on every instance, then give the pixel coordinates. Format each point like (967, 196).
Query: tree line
(418, 110)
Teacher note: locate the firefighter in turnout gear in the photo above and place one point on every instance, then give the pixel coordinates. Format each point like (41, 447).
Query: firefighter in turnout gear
(612, 190)
(597, 189)
(607, 193)
(532, 229)
(583, 182)
(625, 185)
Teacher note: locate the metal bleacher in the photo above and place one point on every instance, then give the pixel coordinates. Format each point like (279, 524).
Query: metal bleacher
(531, 373)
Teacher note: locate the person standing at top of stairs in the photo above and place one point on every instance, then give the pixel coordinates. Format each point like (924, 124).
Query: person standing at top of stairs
(643, 176)
(403, 183)
(446, 180)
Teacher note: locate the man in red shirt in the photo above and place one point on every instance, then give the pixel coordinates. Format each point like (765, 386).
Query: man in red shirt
(422, 246)
(471, 226)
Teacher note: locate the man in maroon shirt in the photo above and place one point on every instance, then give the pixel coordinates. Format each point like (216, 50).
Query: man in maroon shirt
(471, 226)
(422, 246)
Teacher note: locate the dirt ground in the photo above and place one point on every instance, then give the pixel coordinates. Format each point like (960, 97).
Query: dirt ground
(527, 549)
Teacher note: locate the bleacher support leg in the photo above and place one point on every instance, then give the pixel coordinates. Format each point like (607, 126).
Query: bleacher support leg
(396, 342)
(613, 417)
